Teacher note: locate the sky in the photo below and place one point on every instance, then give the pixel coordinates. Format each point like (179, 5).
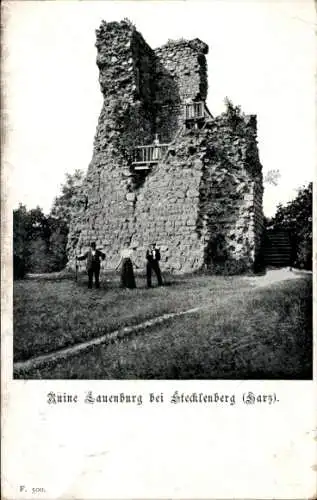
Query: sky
(261, 56)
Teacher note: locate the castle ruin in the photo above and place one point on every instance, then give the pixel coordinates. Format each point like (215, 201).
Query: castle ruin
(198, 192)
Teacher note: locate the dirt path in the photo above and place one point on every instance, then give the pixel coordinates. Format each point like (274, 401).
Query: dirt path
(270, 278)
(275, 276)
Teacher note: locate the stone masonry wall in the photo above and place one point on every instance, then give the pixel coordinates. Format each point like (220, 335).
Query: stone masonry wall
(231, 219)
(104, 211)
(181, 73)
(203, 203)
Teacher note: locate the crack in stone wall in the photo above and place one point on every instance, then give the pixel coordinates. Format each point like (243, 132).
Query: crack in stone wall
(204, 199)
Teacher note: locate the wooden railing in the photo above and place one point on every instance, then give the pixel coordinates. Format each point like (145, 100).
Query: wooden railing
(145, 155)
(194, 110)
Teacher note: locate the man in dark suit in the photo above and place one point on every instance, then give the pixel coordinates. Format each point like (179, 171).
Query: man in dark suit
(93, 257)
(153, 257)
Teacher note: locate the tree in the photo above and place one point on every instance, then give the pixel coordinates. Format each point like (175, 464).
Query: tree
(272, 177)
(62, 206)
(60, 217)
(39, 241)
(57, 257)
(31, 233)
(20, 248)
(232, 110)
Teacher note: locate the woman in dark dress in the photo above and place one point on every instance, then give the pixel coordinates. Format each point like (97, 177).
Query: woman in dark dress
(127, 273)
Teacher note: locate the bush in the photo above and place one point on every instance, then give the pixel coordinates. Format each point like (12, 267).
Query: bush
(304, 254)
(230, 267)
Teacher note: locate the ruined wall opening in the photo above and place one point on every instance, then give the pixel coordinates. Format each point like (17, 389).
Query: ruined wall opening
(137, 180)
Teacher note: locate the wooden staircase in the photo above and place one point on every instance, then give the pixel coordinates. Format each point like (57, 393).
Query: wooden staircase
(277, 249)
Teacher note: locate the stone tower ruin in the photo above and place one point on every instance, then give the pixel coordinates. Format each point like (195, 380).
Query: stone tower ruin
(164, 169)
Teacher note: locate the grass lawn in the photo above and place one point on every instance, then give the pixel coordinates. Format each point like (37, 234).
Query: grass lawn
(241, 333)
(49, 315)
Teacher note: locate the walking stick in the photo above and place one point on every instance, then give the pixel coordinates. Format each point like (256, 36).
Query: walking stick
(76, 268)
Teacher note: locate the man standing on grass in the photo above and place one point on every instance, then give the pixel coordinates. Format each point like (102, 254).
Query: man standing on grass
(153, 257)
(93, 257)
